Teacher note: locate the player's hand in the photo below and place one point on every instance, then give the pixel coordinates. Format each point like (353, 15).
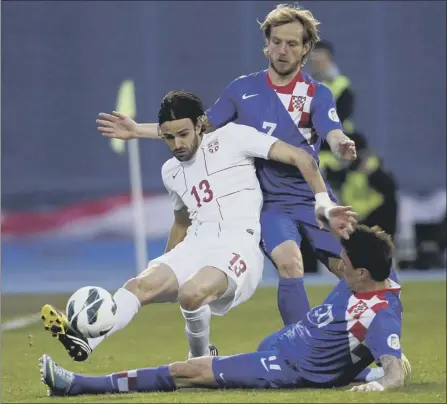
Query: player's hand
(342, 219)
(117, 126)
(372, 386)
(347, 150)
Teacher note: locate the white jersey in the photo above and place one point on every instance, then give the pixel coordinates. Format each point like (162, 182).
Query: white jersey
(219, 184)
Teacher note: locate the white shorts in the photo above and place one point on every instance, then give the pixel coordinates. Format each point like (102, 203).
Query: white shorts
(237, 254)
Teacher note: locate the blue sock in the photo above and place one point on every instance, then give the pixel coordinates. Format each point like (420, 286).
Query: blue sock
(139, 380)
(369, 375)
(293, 304)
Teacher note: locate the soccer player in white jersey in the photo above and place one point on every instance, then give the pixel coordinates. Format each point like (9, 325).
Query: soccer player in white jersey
(285, 102)
(213, 260)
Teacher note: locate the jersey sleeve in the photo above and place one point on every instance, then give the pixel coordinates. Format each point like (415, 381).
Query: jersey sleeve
(383, 335)
(323, 111)
(250, 142)
(176, 200)
(223, 110)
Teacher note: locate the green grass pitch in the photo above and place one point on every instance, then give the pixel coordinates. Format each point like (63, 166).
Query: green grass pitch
(156, 336)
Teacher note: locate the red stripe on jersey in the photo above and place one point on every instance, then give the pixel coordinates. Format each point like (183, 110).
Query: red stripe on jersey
(378, 293)
(311, 89)
(358, 330)
(379, 306)
(132, 383)
(304, 120)
(305, 116)
(291, 107)
(288, 88)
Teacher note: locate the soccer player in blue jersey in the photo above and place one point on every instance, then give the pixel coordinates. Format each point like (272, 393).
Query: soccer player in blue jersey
(284, 102)
(358, 323)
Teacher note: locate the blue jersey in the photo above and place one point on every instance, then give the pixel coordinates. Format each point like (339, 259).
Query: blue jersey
(301, 113)
(341, 337)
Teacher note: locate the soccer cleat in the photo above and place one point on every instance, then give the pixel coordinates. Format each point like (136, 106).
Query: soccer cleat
(56, 323)
(406, 366)
(59, 380)
(212, 351)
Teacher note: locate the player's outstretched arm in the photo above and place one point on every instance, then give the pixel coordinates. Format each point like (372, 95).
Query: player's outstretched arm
(341, 219)
(178, 229)
(288, 154)
(120, 126)
(393, 378)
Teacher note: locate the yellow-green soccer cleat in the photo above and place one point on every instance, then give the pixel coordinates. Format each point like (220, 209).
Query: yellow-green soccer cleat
(56, 323)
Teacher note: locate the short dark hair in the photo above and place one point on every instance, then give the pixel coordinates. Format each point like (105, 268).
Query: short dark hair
(325, 45)
(370, 248)
(179, 105)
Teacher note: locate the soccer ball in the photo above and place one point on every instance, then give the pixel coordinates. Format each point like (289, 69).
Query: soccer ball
(91, 311)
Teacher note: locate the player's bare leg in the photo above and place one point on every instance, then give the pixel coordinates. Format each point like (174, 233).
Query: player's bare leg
(207, 285)
(156, 284)
(292, 298)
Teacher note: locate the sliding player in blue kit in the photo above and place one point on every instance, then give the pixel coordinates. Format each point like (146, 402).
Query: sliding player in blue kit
(358, 323)
(284, 102)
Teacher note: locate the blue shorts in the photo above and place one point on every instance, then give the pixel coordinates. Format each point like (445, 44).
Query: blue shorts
(278, 227)
(264, 369)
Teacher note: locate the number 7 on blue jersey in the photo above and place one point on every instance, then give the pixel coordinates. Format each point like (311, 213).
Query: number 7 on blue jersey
(270, 126)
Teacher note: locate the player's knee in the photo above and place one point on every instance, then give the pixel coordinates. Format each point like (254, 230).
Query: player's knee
(148, 287)
(191, 296)
(290, 266)
(132, 285)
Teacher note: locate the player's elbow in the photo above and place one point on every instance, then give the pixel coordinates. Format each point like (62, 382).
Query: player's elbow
(305, 162)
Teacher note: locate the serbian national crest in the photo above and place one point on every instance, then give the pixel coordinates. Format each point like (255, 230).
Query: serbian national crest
(297, 103)
(213, 146)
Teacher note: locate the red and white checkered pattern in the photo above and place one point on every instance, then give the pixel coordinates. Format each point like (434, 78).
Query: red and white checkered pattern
(127, 381)
(296, 98)
(359, 315)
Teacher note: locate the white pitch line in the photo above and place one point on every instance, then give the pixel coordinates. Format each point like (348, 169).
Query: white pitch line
(21, 322)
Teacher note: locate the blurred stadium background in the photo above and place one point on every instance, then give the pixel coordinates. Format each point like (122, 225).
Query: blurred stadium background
(66, 211)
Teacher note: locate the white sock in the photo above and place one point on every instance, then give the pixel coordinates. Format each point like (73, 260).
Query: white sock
(198, 330)
(127, 305)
